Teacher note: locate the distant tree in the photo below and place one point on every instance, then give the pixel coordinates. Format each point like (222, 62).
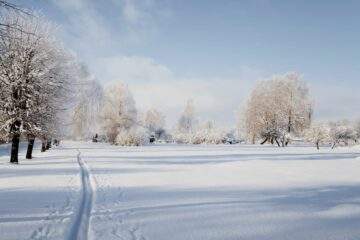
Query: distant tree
(317, 133)
(186, 125)
(118, 111)
(357, 130)
(89, 99)
(155, 122)
(342, 132)
(278, 108)
(187, 121)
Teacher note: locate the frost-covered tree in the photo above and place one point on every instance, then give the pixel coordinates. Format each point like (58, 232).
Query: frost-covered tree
(118, 111)
(278, 108)
(342, 132)
(33, 78)
(86, 112)
(154, 121)
(187, 124)
(317, 133)
(187, 121)
(357, 130)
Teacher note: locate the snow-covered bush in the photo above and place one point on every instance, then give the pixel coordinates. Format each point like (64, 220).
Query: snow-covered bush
(277, 108)
(135, 136)
(182, 138)
(342, 132)
(317, 133)
(207, 133)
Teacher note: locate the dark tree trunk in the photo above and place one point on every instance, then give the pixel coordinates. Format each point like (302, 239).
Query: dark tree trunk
(277, 142)
(43, 146)
(48, 144)
(30, 148)
(15, 148)
(289, 125)
(15, 130)
(317, 146)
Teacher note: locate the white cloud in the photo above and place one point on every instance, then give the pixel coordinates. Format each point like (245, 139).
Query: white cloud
(94, 30)
(131, 69)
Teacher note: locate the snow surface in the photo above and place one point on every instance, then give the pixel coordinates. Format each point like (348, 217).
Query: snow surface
(177, 192)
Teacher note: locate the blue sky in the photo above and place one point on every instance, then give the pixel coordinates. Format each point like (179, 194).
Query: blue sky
(214, 51)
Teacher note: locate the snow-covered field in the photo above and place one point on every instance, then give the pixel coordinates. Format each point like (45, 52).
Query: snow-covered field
(98, 191)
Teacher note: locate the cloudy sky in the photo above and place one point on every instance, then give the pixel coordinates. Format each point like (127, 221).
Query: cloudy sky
(168, 51)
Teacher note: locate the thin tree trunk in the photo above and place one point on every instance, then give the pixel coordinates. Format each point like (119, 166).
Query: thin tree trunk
(30, 147)
(317, 146)
(15, 148)
(289, 124)
(277, 142)
(43, 146)
(263, 142)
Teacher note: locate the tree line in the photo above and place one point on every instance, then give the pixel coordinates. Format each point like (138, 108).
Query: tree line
(36, 79)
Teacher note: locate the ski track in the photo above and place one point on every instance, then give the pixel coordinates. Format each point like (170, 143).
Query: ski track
(80, 228)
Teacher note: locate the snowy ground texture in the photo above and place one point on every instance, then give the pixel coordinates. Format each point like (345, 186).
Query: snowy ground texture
(96, 191)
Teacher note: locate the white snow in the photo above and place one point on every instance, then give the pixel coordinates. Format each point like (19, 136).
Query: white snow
(181, 192)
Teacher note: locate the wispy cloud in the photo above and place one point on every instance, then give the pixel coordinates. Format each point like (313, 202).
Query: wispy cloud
(97, 28)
